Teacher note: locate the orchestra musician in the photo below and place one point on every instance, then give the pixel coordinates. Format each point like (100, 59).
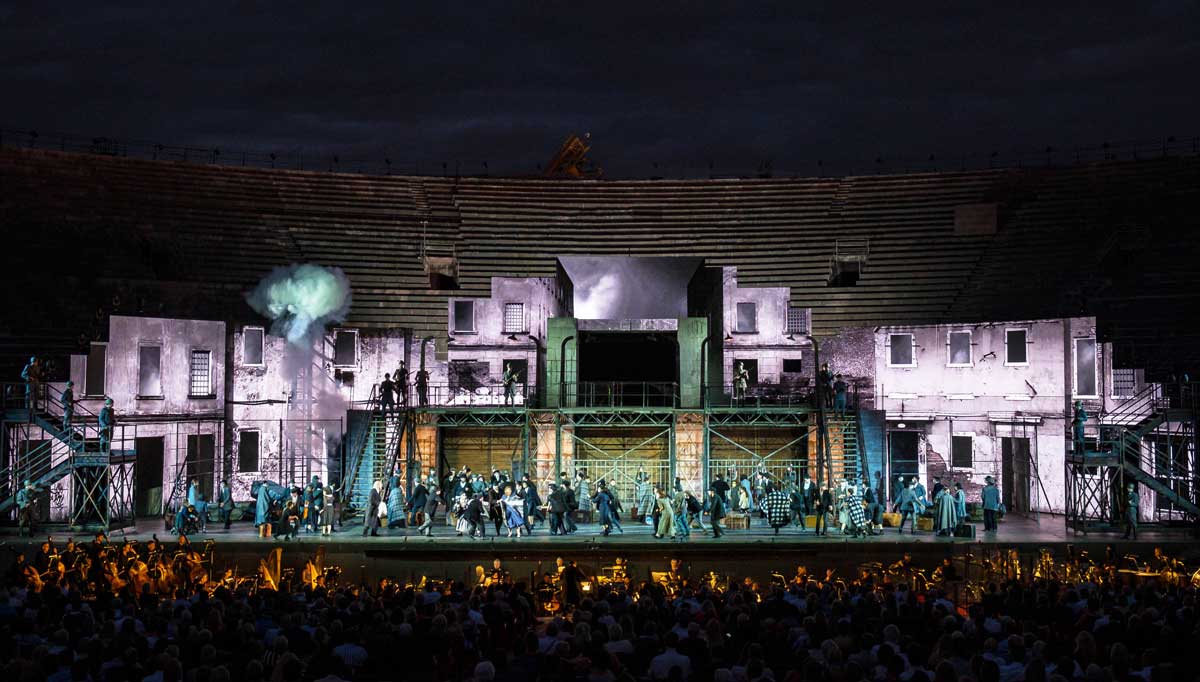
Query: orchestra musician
(498, 575)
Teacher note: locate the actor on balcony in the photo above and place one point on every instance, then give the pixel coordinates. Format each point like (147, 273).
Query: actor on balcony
(387, 394)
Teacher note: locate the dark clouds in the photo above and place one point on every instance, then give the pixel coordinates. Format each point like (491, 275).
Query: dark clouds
(673, 83)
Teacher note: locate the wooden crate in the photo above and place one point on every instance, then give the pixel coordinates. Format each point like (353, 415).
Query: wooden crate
(891, 520)
(924, 523)
(736, 521)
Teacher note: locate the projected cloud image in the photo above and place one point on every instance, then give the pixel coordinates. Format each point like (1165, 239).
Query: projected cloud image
(622, 287)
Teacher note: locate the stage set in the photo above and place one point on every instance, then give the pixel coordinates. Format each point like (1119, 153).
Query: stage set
(649, 378)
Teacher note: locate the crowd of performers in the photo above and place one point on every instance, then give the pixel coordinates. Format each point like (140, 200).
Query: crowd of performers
(514, 507)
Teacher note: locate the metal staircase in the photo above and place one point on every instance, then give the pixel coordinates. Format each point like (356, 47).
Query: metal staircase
(1150, 440)
(375, 450)
(376, 460)
(44, 451)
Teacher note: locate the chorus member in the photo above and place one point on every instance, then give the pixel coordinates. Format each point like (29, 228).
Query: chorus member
(991, 504)
(225, 504)
(514, 511)
(778, 507)
(910, 506)
(716, 512)
(605, 506)
(666, 511)
(823, 508)
(432, 500)
(328, 510)
(644, 490)
(395, 503)
(371, 512)
(559, 509)
(1132, 501)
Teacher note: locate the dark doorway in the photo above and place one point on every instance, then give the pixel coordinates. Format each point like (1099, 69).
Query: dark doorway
(149, 475)
(201, 452)
(628, 368)
(1014, 457)
(902, 458)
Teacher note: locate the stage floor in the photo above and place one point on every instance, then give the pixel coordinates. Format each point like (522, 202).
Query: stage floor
(1013, 531)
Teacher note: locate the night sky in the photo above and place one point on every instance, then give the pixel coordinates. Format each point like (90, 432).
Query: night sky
(677, 84)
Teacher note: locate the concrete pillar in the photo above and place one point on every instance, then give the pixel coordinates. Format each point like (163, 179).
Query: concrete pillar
(562, 343)
(692, 332)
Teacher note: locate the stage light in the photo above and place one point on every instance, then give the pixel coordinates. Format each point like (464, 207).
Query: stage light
(900, 425)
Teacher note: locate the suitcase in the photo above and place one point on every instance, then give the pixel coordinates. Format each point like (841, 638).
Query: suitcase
(924, 523)
(891, 520)
(965, 530)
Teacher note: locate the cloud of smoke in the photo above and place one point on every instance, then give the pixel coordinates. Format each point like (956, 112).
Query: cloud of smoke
(302, 300)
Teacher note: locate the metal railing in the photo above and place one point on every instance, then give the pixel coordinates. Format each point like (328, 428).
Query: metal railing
(333, 161)
(1128, 446)
(760, 395)
(620, 474)
(471, 395)
(1183, 395)
(626, 394)
(1141, 406)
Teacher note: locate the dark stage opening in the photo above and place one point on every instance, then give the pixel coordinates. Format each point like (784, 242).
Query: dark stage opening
(628, 368)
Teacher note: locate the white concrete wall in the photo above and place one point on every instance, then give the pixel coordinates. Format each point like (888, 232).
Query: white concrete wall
(768, 345)
(176, 339)
(989, 397)
(305, 423)
(543, 298)
(174, 414)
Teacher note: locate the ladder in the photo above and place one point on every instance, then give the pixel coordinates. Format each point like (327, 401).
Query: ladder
(845, 457)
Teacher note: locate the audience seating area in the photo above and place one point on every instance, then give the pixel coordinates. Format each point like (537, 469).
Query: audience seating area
(1109, 239)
